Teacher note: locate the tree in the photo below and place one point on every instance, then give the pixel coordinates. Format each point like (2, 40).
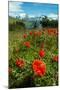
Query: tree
(46, 22)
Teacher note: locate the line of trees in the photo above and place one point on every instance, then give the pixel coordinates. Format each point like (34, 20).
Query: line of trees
(49, 23)
(44, 22)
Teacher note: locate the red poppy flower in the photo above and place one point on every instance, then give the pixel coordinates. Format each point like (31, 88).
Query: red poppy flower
(55, 58)
(25, 35)
(35, 33)
(51, 31)
(20, 63)
(42, 53)
(39, 33)
(27, 44)
(39, 67)
(31, 33)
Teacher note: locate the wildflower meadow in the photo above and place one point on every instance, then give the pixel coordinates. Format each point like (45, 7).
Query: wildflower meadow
(33, 58)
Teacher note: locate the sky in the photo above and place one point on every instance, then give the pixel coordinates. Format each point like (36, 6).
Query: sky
(32, 9)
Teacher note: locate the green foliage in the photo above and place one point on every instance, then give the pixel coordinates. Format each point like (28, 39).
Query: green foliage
(49, 23)
(16, 24)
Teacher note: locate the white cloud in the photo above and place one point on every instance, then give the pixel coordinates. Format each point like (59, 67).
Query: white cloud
(31, 16)
(15, 8)
(53, 16)
(22, 15)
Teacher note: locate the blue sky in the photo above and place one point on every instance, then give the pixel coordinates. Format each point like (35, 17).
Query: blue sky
(32, 9)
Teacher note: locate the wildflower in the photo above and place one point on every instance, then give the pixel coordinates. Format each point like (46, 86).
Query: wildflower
(42, 53)
(55, 58)
(25, 35)
(39, 67)
(39, 33)
(31, 33)
(20, 63)
(35, 33)
(27, 44)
